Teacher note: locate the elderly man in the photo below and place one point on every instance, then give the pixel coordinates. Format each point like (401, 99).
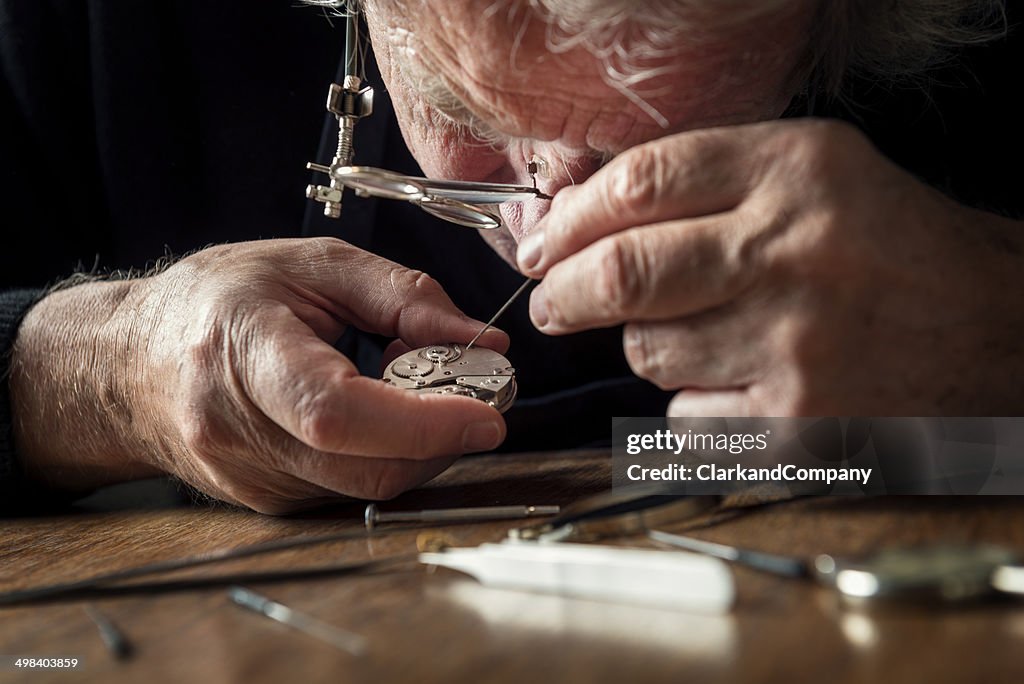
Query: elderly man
(756, 266)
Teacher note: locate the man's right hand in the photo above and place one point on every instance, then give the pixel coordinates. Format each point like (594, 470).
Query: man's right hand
(221, 371)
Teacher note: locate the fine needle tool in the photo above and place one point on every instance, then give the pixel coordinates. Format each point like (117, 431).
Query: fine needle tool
(373, 515)
(495, 317)
(766, 562)
(335, 636)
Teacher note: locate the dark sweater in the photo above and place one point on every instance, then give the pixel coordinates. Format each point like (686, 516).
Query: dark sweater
(133, 129)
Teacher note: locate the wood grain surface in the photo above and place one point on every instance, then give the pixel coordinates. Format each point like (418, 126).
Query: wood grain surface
(441, 626)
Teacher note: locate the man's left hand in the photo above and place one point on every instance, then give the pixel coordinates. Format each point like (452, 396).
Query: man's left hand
(787, 268)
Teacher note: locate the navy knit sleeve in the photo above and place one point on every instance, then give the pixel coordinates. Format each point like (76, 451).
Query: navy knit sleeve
(13, 306)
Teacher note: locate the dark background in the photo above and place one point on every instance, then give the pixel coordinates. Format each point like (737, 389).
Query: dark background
(963, 133)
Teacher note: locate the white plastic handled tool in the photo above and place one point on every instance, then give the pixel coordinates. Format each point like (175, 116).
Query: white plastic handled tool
(658, 578)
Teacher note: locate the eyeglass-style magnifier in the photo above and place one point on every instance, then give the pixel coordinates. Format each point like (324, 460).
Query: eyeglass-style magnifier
(465, 203)
(461, 202)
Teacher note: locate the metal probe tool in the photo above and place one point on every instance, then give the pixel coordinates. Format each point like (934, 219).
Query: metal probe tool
(373, 516)
(515, 295)
(766, 562)
(335, 636)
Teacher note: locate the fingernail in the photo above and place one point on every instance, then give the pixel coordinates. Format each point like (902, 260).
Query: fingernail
(539, 307)
(493, 332)
(531, 249)
(481, 437)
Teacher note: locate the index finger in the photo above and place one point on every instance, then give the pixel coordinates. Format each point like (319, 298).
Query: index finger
(687, 175)
(382, 297)
(316, 394)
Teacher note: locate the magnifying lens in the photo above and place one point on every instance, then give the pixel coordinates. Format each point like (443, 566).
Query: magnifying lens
(460, 202)
(460, 213)
(370, 182)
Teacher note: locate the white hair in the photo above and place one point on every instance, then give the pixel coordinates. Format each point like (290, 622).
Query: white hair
(882, 40)
(886, 40)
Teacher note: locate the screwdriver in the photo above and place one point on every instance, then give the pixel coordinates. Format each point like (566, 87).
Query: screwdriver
(373, 516)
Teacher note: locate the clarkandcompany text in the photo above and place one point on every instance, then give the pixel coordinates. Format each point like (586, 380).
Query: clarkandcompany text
(708, 472)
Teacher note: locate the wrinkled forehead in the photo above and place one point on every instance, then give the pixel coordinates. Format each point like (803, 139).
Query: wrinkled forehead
(526, 63)
(490, 32)
(485, 42)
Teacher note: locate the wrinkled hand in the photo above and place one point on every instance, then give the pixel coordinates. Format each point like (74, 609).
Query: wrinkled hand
(787, 268)
(229, 379)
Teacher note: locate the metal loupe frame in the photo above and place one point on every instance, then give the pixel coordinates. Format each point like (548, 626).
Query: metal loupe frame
(455, 201)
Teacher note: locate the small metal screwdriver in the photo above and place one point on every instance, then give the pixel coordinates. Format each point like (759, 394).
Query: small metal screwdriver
(373, 516)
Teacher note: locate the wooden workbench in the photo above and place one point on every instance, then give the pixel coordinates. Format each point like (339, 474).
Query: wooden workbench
(443, 627)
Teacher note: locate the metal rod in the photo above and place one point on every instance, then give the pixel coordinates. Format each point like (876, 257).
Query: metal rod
(785, 566)
(351, 43)
(373, 516)
(515, 295)
(335, 636)
(100, 581)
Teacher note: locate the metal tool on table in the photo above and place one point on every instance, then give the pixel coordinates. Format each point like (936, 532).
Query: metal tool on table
(374, 516)
(535, 558)
(619, 512)
(335, 636)
(133, 580)
(464, 203)
(946, 573)
(125, 580)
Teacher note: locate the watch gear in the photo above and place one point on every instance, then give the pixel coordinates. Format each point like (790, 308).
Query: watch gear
(451, 368)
